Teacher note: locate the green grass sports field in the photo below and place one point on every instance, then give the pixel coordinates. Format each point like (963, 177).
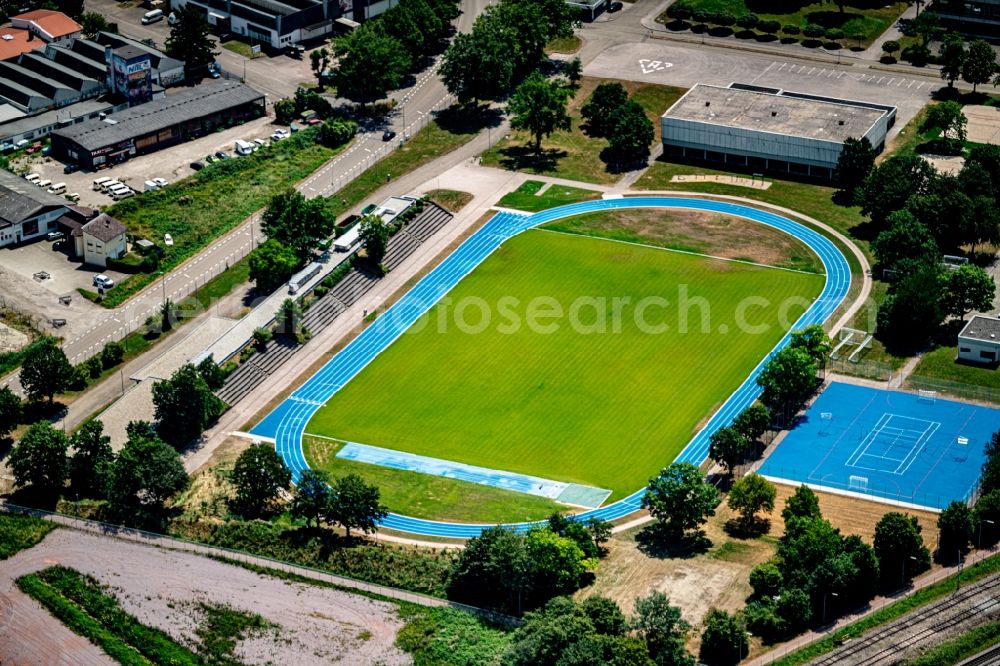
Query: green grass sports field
(560, 399)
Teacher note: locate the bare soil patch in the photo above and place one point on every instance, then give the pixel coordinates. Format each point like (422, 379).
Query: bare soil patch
(713, 234)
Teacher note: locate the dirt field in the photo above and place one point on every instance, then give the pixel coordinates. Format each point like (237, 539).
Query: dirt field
(984, 123)
(705, 233)
(312, 625)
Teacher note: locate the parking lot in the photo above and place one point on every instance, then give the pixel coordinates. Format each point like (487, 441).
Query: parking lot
(42, 258)
(172, 163)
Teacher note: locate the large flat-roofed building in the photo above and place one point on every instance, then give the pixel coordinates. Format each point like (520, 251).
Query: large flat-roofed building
(187, 114)
(768, 129)
(273, 23)
(26, 210)
(974, 17)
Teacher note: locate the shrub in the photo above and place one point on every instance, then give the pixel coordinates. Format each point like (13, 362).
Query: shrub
(724, 19)
(112, 354)
(700, 16)
(679, 12)
(791, 30)
(748, 21)
(834, 34)
(890, 46)
(813, 31)
(262, 335)
(94, 367)
(916, 55)
(769, 27)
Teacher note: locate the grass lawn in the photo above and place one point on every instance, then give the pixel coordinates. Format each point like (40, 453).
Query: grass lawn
(859, 16)
(573, 154)
(451, 200)
(957, 377)
(527, 197)
(434, 497)
(530, 399)
(200, 208)
(241, 48)
(19, 532)
(564, 45)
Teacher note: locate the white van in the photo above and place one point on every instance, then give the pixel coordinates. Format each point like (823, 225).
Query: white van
(152, 17)
(99, 182)
(108, 184)
(58, 188)
(118, 195)
(43, 183)
(32, 178)
(172, 18)
(244, 147)
(118, 187)
(150, 186)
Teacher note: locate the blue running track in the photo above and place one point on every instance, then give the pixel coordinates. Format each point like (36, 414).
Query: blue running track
(288, 421)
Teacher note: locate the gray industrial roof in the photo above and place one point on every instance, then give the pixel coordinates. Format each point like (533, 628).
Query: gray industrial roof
(187, 104)
(67, 113)
(778, 114)
(103, 228)
(20, 200)
(982, 328)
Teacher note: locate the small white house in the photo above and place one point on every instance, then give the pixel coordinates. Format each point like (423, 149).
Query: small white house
(102, 238)
(979, 341)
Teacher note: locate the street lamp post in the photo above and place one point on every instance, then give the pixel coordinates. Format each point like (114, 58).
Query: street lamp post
(828, 594)
(979, 539)
(902, 578)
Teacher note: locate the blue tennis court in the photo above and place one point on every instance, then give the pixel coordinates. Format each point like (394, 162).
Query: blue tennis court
(915, 449)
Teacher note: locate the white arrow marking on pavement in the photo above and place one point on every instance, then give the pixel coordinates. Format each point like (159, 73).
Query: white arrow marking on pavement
(650, 66)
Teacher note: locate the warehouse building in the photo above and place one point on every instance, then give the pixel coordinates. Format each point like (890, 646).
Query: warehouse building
(768, 129)
(273, 23)
(26, 210)
(187, 114)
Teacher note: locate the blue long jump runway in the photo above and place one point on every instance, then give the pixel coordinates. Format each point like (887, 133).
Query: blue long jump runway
(287, 422)
(886, 445)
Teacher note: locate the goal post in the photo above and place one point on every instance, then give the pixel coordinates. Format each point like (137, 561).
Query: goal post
(927, 397)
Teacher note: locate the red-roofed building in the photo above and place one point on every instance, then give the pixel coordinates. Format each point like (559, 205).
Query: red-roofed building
(51, 26)
(14, 42)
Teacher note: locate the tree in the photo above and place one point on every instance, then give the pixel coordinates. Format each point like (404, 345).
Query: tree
(599, 111)
(987, 518)
(337, 131)
(904, 239)
(957, 528)
(271, 264)
(948, 117)
(927, 26)
(766, 580)
(374, 235)
(855, 162)
(480, 65)
(146, 473)
(891, 184)
(750, 495)
(493, 570)
(10, 411)
(632, 132)
(986, 157)
(724, 640)
(900, 549)
(93, 23)
(304, 225)
(787, 379)
(946, 211)
(211, 373)
(185, 405)
(728, 447)
(39, 460)
(661, 626)
(319, 62)
(289, 318)
(814, 341)
(45, 370)
(914, 307)
(803, 503)
(557, 563)
(90, 466)
(753, 422)
(168, 315)
(680, 499)
(577, 531)
(989, 477)
(807, 543)
(356, 505)
(313, 496)
(538, 106)
(190, 41)
(573, 71)
(605, 615)
(980, 63)
(952, 57)
(889, 47)
(370, 64)
(284, 110)
(112, 354)
(259, 476)
(970, 288)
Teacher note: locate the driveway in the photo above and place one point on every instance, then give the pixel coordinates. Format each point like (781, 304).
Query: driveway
(65, 275)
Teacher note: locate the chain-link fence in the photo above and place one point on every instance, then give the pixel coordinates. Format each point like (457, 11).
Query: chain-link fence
(866, 487)
(955, 389)
(865, 369)
(250, 560)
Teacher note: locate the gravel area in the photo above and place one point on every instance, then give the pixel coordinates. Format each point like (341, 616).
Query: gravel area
(310, 625)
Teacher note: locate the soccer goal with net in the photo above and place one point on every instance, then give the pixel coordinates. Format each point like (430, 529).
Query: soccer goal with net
(849, 338)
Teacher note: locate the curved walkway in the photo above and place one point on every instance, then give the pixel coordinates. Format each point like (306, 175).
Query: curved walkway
(288, 421)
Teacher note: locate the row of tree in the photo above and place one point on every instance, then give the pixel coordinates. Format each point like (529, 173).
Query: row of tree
(506, 44)
(611, 114)
(917, 215)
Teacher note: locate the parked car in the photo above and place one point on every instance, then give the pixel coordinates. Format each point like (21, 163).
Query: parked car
(71, 168)
(160, 182)
(261, 143)
(280, 134)
(388, 135)
(197, 166)
(222, 155)
(55, 236)
(168, 240)
(22, 143)
(211, 158)
(315, 121)
(6, 147)
(102, 281)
